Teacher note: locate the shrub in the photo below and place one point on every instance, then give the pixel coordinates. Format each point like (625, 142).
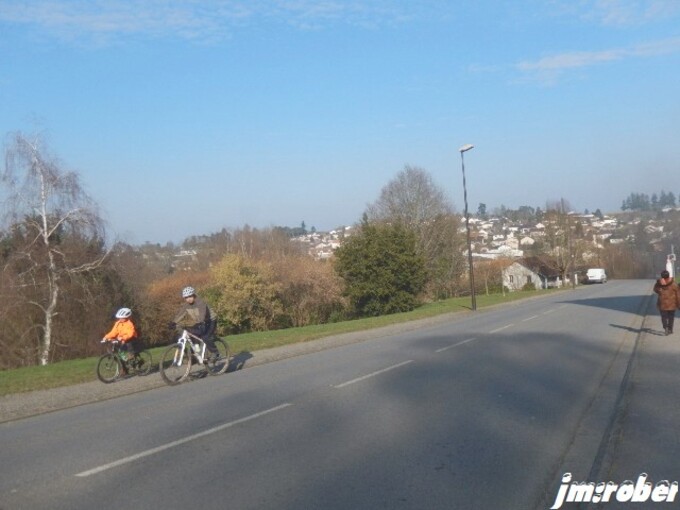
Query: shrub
(382, 270)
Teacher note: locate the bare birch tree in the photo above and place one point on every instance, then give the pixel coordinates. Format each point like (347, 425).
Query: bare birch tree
(561, 232)
(414, 200)
(47, 205)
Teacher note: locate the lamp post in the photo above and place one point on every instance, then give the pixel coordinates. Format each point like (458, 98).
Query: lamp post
(462, 150)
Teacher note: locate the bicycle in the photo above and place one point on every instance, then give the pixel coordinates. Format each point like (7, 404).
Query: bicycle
(112, 364)
(177, 359)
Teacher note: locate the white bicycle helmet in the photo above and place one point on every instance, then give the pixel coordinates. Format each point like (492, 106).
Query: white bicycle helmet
(188, 292)
(123, 313)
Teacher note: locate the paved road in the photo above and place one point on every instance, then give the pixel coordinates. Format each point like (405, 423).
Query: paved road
(485, 411)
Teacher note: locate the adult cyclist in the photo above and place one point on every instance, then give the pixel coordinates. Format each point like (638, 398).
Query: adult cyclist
(198, 317)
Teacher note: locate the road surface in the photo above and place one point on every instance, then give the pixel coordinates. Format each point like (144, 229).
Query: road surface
(487, 410)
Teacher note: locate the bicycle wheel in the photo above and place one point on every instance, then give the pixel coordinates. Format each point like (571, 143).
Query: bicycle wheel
(141, 363)
(175, 365)
(108, 368)
(219, 364)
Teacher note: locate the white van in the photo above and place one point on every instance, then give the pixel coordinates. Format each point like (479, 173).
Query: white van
(596, 275)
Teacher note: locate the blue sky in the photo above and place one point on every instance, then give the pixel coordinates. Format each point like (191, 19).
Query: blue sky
(184, 117)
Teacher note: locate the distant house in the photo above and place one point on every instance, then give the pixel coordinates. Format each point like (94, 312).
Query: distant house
(502, 252)
(511, 242)
(540, 272)
(653, 229)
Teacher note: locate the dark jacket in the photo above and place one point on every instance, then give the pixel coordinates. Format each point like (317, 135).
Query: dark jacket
(669, 294)
(197, 317)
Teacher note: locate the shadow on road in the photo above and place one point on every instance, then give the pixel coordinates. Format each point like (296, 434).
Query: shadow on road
(648, 331)
(238, 361)
(628, 304)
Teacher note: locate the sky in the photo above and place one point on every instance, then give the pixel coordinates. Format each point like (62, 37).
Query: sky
(185, 117)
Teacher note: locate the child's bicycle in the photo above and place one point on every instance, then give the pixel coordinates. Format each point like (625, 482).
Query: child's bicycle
(117, 362)
(177, 359)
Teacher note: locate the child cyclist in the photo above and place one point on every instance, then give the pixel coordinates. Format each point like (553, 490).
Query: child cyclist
(124, 331)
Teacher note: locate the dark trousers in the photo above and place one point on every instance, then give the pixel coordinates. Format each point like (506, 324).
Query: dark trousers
(207, 337)
(667, 318)
(131, 346)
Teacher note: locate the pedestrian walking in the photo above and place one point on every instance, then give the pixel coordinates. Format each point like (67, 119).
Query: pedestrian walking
(668, 300)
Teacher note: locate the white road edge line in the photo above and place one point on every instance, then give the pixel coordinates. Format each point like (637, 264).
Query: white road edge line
(455, 345)
(501, 329)
(530, 318)
(347, 383)
(187, 439)
(548, 311)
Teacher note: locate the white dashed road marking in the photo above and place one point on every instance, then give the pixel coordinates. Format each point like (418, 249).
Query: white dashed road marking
(187, 439)
(454, 345)
(347, 383)
(502, 328)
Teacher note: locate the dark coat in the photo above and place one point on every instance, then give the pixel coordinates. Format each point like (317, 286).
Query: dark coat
(669, 294)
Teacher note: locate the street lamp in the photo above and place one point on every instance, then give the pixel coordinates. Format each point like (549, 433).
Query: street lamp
(463, 149)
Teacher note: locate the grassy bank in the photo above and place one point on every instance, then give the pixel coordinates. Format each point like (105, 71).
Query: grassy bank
(83, 370)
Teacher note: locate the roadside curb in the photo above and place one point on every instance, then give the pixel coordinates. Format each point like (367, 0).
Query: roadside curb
(24, 405)
(18, 406)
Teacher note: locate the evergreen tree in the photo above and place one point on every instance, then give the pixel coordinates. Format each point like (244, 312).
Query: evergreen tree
(666, 200)
(638, 202)
(382, 270)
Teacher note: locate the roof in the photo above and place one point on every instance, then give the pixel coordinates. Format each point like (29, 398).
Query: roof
(541, 265)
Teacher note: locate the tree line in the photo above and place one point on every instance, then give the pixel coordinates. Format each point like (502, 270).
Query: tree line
(643, 202)
(62, 279)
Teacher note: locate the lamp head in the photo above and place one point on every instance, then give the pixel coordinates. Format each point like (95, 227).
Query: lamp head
(465, 148)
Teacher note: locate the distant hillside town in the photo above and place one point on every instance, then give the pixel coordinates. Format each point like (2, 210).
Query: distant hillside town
(501, 237)
(541, 254)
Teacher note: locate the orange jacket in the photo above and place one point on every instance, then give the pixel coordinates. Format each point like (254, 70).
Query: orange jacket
(123, 330)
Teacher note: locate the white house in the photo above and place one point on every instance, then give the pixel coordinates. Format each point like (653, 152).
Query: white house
(541, 273)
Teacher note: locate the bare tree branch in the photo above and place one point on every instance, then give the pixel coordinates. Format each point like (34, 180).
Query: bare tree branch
(54, 219)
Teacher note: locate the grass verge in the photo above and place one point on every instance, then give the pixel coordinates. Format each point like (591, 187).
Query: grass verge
(81, 370)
